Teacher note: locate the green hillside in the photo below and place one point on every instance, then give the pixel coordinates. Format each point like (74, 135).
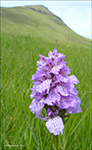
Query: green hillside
(38, 21)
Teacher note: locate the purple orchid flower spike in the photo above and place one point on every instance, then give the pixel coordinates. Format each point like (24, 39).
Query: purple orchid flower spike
(54, 91)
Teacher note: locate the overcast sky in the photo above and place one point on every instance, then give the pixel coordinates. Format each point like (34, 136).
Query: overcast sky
(76, 14)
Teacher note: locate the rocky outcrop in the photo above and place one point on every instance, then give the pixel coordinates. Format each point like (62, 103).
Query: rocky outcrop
(44, 12)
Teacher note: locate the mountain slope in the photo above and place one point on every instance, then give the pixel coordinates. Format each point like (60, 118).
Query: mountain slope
(38, 21)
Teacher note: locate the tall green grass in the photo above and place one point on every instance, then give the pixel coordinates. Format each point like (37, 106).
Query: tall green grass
(18, 125)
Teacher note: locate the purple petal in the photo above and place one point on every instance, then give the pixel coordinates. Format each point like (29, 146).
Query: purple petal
(45, 118)
(51, 113)
(55, 125)
(73, 79)
(42, 58)
(54, 52)
(52, 98)
(39, 75)
(38, 114)
(36, 105)
(76, 109)
(60, 78)
(63, 90)
(50, 54)
(45, 85)
(65, 71)
(56, 69)
(33, 106)
(67, 102)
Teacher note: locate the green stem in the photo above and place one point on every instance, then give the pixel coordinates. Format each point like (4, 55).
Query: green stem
(55, 141)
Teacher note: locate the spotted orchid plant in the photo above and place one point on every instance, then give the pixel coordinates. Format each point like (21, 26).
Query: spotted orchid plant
(53, 89)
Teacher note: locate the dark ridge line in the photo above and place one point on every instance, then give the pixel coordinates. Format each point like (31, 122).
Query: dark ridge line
(44, 12)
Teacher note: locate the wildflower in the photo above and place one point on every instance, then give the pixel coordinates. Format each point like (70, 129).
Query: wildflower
(67, 45)
(54, 91)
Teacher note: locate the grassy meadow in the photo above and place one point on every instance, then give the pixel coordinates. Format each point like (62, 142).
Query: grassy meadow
(24, 35)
